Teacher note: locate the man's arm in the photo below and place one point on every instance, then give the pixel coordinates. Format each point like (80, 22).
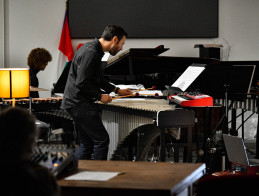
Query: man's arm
(126, 91)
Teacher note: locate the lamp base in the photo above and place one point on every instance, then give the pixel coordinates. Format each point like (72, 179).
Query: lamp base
(13, 102)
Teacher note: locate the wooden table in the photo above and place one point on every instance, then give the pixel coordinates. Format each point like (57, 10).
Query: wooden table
(139, 178)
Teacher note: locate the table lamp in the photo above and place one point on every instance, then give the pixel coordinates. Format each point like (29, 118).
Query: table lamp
(14, 83)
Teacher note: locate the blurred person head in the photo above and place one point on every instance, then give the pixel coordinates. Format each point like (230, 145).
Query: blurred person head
(18, 133)
(39, 58)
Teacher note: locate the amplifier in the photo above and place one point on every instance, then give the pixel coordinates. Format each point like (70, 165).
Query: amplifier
(57, 158)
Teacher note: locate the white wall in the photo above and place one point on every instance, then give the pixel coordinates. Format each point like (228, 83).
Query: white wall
(239, 25)
(31, 24)
(38, 23)
(1, 33)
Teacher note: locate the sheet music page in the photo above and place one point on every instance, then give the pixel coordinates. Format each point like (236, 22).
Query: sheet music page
(188, 77)
(93, 176)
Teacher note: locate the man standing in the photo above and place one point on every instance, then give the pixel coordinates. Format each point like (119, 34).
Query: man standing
(83, 87)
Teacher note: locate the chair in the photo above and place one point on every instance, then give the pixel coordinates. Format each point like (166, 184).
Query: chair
(182, 118)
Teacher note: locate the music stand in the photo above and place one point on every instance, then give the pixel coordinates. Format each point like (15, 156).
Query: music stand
(240, 81)
(216, 77)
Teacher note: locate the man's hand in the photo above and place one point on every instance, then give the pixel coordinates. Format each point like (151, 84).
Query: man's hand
(122, 92)
(105, 98)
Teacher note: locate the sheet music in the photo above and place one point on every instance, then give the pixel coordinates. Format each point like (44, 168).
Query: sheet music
(188, 77)
(130, 86)
(106, 56)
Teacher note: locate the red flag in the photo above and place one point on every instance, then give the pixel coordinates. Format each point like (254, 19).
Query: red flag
(65, 45)
(65, 48)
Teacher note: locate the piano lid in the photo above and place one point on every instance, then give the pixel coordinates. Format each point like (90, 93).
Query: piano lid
(146, 61)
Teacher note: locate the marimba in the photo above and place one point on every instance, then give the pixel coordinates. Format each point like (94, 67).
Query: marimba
(147, 117)
(249, 103)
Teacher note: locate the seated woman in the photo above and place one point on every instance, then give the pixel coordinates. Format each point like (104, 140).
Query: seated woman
(37, 60)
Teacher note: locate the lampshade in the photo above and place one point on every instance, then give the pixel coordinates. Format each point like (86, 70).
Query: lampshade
(14, 83)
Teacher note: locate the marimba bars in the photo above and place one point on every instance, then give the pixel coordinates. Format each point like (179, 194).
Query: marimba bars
(36, 104)
(249, 103)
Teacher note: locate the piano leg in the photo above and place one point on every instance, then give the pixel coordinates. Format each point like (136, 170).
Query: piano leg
(233, 130)
(243, 120)
(189, 144)
(257, 132)
(162, 145)
(207, 124)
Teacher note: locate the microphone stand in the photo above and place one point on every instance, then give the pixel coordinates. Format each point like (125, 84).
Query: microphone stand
(30, 101)
(210, 145)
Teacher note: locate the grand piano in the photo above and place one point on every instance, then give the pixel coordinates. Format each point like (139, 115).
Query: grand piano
(146, 66)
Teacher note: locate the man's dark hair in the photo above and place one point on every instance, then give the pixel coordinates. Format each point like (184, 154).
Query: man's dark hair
(113, 30)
